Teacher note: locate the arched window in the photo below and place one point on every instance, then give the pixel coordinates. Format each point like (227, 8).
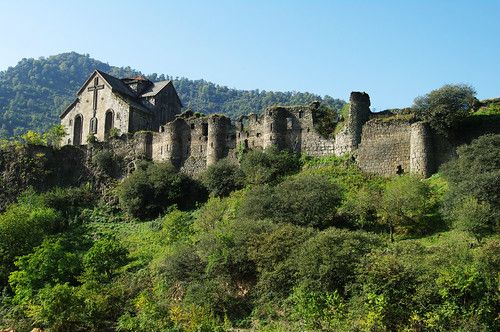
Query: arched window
(108, 122)
(77, 130)
(93, 126)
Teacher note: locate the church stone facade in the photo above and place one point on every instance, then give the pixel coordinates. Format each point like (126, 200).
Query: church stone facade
(128, 105)
(149, 114)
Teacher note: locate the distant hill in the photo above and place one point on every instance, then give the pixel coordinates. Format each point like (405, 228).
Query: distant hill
(35, 91)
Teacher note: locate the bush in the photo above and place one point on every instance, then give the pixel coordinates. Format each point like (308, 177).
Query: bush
(327, 262)
(148, 191)
(107, 162)
(268, 166)
(473, 200)
(308, 200)
(70, 201)
(22, 228)
(50, 263)
(223, 177)
(406, 206)
(103, 258)
(446, 107)
(274, 254)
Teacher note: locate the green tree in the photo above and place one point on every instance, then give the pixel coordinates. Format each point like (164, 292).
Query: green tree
(307, 200)
(446, 107)
(473, 200)
(268, 166)
(102, 260)
(151, 189)
(328, 261)
(33, 138)
(22, 228)
(405, 204)
(223, 177)
(50, 263)
(54, 135)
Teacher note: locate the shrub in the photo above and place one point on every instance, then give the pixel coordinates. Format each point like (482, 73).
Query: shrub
(308, 200)
(107, 162)
(328, 261)
(22, 228)
(405, 205)
(473, 200)
(50, 263)
(274, 255)
(223, 177)
(103, 258)
(446, 107)
(268, 166)
(150, 190)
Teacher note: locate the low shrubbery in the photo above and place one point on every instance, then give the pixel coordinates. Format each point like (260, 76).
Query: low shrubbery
(273, 248)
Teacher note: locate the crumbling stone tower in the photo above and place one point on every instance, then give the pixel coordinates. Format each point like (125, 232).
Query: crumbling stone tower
(218, 130)
(348, 139)
(421, 150)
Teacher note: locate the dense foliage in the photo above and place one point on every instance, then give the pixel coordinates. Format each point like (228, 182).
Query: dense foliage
(304, 247)
(35, 91)
(446, 107)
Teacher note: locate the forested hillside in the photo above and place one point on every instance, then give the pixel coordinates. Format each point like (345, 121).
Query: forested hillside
(35, 91)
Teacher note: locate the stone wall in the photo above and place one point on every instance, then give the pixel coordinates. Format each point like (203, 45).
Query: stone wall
(348, 139)
(385, 147)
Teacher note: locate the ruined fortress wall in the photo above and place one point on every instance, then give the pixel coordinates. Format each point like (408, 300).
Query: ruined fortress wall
(348, 139)
(385, 146)
(421, 156)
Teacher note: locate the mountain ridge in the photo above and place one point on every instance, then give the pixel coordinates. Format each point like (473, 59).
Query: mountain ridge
(35, 91)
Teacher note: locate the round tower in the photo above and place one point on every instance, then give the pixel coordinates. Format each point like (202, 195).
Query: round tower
(216, 140)
(275, 128)
(173, 131)
(420, 149)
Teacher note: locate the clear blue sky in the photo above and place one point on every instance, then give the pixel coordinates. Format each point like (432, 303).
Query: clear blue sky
(394, 50)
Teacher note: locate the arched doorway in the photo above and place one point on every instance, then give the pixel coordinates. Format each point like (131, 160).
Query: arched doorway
(108, 122)
(77, 130)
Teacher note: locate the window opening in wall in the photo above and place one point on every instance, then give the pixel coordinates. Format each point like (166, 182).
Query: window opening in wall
(399, 170)
(204, 129)
(301, 114)
(258, 134)
(271, 127)
(289, 123)
(211, 144)
(201, 148)
(70, 122)
(93, 126)
(192, 125)
(308, 129)
(161, 150)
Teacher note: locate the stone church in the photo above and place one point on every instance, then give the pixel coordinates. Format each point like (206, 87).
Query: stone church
(128, 105)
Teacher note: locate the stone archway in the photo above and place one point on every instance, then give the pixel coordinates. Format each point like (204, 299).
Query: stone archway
(108, 122)
(77, 130)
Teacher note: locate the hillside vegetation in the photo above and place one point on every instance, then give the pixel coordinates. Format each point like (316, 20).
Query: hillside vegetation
(278, 242)
(35, 91)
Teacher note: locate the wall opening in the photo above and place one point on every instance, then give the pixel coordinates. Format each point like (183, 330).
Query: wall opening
(108, 122)
(77, 130)
(204, 129)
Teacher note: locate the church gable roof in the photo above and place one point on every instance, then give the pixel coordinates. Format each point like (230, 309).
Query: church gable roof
(155, 89)
(115, 84)
(120, 86)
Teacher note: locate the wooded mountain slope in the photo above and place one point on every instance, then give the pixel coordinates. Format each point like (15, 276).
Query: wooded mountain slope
(35, 91)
